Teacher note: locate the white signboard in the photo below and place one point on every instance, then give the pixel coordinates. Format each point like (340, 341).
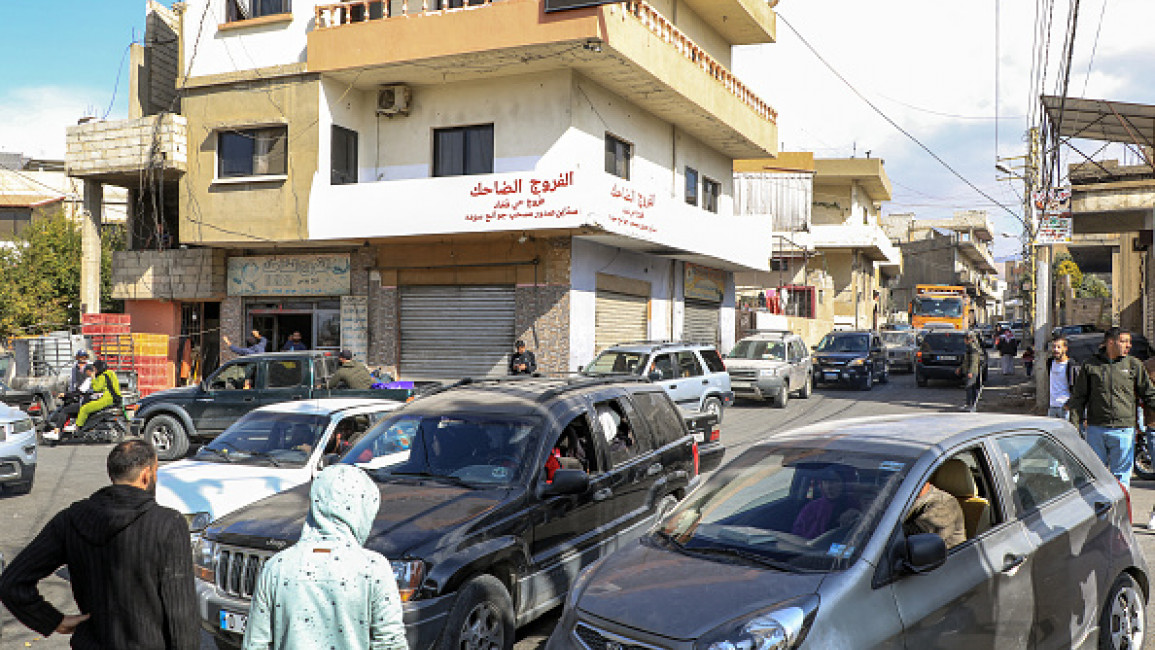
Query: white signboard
(1055, 222)
(355, 326)
(289, 275)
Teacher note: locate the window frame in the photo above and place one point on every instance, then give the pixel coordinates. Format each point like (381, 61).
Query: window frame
(711, 193)
(252, 132)
(692, 192)
(1018, 510)
(465, 152)
(339, 175)
(233, 15)
(619, 145)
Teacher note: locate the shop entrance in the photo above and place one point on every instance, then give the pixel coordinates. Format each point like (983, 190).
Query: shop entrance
(319, 324)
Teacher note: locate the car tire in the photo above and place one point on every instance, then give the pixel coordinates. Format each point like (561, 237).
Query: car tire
(1144, 466)
(21, 488)
(1123, 622)
(807, 388)
(713, 405)
(920, 379)
(167, 435)
(482, 617)
(782, 398)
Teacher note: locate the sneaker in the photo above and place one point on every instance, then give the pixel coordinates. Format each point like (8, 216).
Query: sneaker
(52, 434)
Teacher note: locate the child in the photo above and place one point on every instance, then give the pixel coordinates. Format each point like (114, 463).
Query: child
(1029, 359)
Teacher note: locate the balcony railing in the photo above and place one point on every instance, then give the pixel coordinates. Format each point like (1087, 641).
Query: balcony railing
(359, 11)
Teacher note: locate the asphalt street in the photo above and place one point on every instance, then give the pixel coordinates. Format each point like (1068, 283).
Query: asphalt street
(68, 473)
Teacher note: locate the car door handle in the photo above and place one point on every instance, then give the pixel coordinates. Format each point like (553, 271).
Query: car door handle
(671, 386)
(654, 469)
(1102, 508)
(603, 494)
(247, 399)
(1012, 562)
(705, 382)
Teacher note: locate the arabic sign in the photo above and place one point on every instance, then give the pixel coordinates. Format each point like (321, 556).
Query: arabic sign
(289, 275)
(521, 200)
(1055, 222)
(704, 283)
(355, 326)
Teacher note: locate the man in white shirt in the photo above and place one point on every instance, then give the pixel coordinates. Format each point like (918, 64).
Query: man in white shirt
(1062, 371)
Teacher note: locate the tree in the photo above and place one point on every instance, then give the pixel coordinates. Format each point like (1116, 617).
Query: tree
(1093, 287)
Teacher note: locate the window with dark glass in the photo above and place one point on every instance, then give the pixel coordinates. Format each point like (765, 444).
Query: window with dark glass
(344, 156)
(246, 9)
(463, 150)
(252, 152)
(618, 155)
(711, 190)
(691, 186)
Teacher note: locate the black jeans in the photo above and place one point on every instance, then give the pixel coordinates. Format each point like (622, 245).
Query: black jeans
(63, 414)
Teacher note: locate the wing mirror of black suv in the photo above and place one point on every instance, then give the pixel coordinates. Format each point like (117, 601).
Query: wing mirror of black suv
(566, 481)
(920, 554)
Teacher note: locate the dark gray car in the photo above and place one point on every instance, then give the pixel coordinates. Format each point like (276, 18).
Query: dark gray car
(803, 542)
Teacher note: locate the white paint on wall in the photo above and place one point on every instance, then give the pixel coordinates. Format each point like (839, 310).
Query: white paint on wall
(211, 51)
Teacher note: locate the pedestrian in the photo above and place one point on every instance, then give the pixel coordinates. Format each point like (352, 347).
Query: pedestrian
(1008, 347)
(1062, 371)
(327, 590)
(351, 374)
(1029, 360)
(971, 372)
(254, 344)
(522, 362)
(1109, 390)
(295, 343)
(129, 562)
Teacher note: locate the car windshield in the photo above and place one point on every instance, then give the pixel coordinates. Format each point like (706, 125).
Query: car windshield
(844, 343)
(947, 307)
(477, 450)
(764, 350)
(945, 343)
(267, 437)
(799, 506)
(613, 362)
(898, 339)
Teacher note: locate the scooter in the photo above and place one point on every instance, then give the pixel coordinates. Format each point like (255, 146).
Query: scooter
(1144, 466)
(106, 425)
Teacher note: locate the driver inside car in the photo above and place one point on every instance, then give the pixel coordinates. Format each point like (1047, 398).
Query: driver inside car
(835, 508)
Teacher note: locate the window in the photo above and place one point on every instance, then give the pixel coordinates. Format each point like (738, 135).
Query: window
(462, 151)
(324, 368)
(1040, 469)
(966, 477)
(618, 155)
(576, 449)
(343, 156)
(713, 361)
(665, 366)
(246, 9)
(286, 374)
(691, 186)
(235, 376)
(711, 190)
(688, 365)
(252, 152)
(663, 417)
(622, 437)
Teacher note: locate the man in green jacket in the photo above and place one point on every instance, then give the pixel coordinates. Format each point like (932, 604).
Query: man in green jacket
(971, 371)
(1105, 395)
(352, 374)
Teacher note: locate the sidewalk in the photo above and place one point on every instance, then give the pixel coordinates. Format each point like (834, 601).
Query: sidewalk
(1007, 393)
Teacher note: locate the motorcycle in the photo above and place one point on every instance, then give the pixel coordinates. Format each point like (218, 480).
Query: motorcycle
(106, 425)
(1144, 466)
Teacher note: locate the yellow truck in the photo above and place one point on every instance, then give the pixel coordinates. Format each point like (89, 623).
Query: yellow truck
(940, 303)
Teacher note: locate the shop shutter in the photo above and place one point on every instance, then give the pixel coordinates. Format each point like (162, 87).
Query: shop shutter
(455, 332)
(701, 322)
(619, 318)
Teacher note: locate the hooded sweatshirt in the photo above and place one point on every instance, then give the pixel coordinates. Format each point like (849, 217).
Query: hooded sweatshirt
(130, 565)
(327, 590)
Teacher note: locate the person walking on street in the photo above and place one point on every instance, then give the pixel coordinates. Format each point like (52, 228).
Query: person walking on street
(1062, 371)
(1109, 390)
(129, 562)
(1029, 360)
(295, 343)
(327, 590)
(1008, 347)
(254, 344)
(971, 372)
(522, 362)
(352, 374)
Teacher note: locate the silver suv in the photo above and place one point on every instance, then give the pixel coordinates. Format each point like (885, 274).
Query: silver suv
(770, 365)
(692, 374)
(17, 450)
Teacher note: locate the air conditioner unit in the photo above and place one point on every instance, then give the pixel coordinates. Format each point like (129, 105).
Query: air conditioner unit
(393, 100)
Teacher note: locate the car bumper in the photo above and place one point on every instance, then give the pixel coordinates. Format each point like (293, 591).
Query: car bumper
(17, 469)
(840, 374)
(939, 372)
(761, 388)
(424, 619)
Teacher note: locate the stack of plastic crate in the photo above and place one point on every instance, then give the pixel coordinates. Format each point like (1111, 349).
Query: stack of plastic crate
(111, 339)
(154, 370)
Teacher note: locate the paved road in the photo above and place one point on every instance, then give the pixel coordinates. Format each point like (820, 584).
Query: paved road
(70, 473)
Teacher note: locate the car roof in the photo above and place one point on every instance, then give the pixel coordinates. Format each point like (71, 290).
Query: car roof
(768, 335)
(652, 346)
(328, 405)
(518, 396)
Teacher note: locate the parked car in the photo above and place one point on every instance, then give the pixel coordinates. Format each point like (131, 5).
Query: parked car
(851, 357)
(1069, 330)
(267, 451)
(940, 355)
(18, 449)
(172, 418)
(510, 488)
(986, 334)
(900, 348)
(897, 327)
(770, 366)
(692, 374)
(1018, 327)
(1049, 558)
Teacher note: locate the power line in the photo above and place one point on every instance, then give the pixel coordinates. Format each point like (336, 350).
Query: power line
(1094, 47)
(886, 117)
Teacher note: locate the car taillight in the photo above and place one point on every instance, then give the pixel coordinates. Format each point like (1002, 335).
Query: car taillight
(715, 434)
(34, 407)
(1126, 495)
(697, 460)
(918, 355)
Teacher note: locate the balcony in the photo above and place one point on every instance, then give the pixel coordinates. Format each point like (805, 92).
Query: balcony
(870, 239)
(118, 152)
(629, 48)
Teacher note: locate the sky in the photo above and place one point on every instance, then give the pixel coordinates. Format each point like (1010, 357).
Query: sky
(929, 66)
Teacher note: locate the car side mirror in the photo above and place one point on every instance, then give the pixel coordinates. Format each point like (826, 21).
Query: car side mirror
(920, 554)
(329, 459)
(566, 481)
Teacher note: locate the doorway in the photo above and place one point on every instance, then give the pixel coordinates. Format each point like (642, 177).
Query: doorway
(278, 327)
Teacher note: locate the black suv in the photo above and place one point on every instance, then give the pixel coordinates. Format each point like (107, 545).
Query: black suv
(940, 355)
(853, 357)
(510, 488)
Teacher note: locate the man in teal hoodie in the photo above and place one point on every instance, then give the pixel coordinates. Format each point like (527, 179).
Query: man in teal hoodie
(327, 590)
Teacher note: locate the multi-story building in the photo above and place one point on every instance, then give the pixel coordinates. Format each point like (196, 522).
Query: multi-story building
(425, 182)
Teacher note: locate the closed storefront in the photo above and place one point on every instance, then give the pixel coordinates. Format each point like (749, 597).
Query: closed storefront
(701, 324)
(456, 331)
(703, 291)
(621, 311)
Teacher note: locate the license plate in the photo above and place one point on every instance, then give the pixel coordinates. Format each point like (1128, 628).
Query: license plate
(831, 375)
(699, 437)
(234, 622)
(948, 358)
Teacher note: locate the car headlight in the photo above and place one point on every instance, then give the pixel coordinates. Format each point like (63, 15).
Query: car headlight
(204, 557)
(857, 362)
(780, 628)
(197, 521)
(409, 574)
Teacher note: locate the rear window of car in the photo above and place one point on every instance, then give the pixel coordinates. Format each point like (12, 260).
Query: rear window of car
(713, 360)
(948, 342)
(663, 417)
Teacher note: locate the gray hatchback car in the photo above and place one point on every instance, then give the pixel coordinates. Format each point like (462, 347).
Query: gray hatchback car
(818, 539)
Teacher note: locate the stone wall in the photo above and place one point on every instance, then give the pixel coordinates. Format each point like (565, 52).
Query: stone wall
(124, 146)
(193, 274)
(232, 324)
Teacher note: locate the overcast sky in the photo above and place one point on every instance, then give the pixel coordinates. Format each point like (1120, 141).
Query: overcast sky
(927, 64)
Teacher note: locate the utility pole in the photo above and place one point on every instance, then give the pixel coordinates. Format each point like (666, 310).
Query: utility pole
(90, 247)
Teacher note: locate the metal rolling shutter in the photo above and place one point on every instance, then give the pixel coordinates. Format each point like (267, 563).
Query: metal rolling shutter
(701, 322)
(463, 331)
(619, 318)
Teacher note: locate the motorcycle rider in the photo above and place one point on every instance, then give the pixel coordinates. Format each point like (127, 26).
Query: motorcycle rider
(108, 386)
(73, 400)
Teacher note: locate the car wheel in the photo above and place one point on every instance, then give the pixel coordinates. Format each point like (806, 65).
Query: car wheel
(807, 388)
(664, 506)
(21, 488)
(713, 405)
(167, 435)
(920, 379)
(481, 619)
(1144, 467)
(1123, 623)
(782, 397)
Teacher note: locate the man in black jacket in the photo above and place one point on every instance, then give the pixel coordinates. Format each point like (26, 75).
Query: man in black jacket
(1061, 371)
(129, 562)
(523, 362)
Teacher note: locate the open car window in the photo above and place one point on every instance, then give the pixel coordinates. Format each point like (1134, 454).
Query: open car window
(267, 438)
